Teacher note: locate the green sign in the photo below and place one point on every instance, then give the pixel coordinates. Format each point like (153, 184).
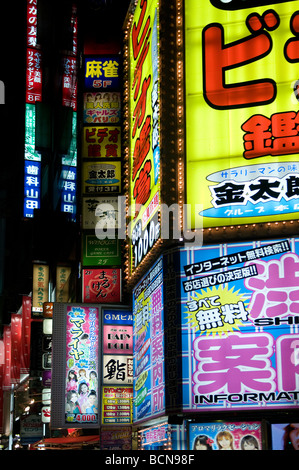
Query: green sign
(96, 252)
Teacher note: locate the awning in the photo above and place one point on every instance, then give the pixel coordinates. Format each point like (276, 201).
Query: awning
(66, 443)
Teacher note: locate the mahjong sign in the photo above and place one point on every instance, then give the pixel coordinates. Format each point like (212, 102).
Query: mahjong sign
(242, 83)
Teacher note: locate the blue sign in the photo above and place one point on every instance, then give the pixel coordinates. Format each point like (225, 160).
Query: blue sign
(117, 317)
(102, 73)
(32, 187)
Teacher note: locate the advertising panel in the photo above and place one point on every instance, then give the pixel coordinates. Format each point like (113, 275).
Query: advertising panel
(33, 93)
(285, 436)
(68, 183)
(30, 117)
(40, 288)
(240, 341)
(100, 211)
(96, 252)
(116, 438)
(33, 76)
(118, 339)
(117, 405)
(101, 142)
(144, 158)
(241, 111)
(148, 327)
(69, 82)
(82, 365)
(32, 187)
(117, 369)
(63, 274)
(101, 177)
(155, 437)
(102, 108)
(101, 285)
(102, 73)
(225, 436)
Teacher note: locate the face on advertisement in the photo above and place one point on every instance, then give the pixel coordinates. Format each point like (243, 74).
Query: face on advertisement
(203, 442)
(294, 436)
(249, 443)
(225, 440)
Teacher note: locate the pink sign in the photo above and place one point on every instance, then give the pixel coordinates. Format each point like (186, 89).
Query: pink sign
(118, 339)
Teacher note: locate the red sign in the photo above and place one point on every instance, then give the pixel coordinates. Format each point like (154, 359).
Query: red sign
(33, 76)
(102, 285)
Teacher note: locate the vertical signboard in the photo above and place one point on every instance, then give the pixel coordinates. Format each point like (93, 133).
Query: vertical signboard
(241, 64)
(239, 314)
(144, 158)
(68, 178)
(33, 90)
(40, 288)
(63, 283)
(148, 323)
(75, 362)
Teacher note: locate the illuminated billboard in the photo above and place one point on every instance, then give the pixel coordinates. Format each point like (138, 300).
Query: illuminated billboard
(88, 385)
(101, 177)
(101, 142)
(144, 139)
(102, 108)
(223, 435)
(101, 285)
(102, 73)
(241, 65)
(239, 314)
(76, 366)
(148, 345)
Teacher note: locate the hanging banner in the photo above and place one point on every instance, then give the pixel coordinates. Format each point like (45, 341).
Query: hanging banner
(241, 69)
(26, 334)
(16, 347)
(7, 356)
(40, 288)
(63, 283)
